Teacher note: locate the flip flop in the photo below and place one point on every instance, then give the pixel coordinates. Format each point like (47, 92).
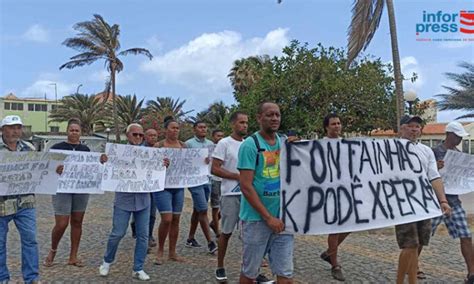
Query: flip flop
(76, 263)
(420, 275)
(47, 262)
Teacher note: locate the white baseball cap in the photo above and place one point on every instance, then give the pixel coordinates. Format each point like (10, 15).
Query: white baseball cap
(456, 128)
(11, 120)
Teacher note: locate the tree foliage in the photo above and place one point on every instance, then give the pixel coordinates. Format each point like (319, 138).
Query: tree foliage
(460, 97)
(310, 83)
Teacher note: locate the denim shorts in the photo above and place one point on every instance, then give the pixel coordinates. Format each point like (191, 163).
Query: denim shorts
(215, 193)
(66, 203)
(456, 223)
(257, 240)
(200, 196)
(169, 200)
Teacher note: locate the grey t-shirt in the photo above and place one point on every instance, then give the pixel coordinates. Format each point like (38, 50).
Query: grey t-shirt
(439, 152)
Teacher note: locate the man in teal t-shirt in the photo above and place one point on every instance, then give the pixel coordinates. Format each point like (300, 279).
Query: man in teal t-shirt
(259, 166)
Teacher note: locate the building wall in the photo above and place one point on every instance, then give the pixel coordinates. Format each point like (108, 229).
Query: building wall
(35, 120)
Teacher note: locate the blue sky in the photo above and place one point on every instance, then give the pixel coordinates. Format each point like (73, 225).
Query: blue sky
(195, 42)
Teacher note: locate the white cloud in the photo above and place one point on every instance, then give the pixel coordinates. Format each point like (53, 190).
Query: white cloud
(154, 44)
(43, 87)
(409, 65)
(202, 64)
(36, 33)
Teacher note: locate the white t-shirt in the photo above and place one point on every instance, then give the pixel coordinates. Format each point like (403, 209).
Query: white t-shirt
(428, 161)
(227, 150)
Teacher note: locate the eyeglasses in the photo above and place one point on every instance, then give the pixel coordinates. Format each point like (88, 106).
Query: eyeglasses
(138, 134)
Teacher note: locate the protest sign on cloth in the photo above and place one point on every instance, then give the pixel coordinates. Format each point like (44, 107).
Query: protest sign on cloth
(187, 167)
(458, 172)
(346, 185)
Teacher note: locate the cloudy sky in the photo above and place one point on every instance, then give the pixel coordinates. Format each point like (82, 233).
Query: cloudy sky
(194, 43)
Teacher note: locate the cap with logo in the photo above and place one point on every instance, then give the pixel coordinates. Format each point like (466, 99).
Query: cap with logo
(456, 128)
(409, 118)
(11, 120)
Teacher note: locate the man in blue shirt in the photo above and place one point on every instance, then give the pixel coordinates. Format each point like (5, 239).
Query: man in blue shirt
(126, 204)
(262, 230)
(200, 194)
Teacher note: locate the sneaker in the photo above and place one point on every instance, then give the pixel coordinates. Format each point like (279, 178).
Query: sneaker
(262, 279)
(192, 243)
(104, 269)
(336, 273)
(220, 274)
(212, 247)
(140, 275)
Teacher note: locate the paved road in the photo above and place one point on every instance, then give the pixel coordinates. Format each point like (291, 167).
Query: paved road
(366, 257)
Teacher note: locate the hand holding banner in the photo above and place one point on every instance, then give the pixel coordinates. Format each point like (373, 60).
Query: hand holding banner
(133, 169)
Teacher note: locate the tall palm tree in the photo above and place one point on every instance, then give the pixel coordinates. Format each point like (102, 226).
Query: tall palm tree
(168, 106)
(129, 110)
(461, 97)
(97, 40)
(88, 109)
(366, 15)
(247, 71)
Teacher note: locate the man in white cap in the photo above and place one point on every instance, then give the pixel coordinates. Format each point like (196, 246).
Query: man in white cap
(457, 224)
(19, 208)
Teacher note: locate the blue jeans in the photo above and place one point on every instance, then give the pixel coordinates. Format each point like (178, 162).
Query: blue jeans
(25, 222)
(257, 240)
(119, 228)
(200, 195)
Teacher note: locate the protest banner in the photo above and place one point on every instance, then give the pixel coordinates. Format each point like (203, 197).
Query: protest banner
(458, 173)
(346, 185)
(29, 172)
(187, 167)
(82, 172)
(133, 169)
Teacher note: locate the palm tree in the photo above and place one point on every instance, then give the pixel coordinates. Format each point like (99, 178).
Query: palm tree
(129, 110)
(461, 97)
(247, 71)
(96, 40)
(366, 15)
(88, 109)
(214, 115)
(167, 106)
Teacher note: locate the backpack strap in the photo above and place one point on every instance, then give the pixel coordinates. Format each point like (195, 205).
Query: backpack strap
(259, 149)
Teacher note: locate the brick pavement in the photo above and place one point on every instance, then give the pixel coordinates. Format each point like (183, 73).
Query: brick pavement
(366, 257)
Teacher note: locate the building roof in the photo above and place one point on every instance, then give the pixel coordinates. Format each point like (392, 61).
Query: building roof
(12, 97)
(429, 129)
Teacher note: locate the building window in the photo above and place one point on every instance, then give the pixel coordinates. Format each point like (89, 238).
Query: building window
(37, 107)
(472, 147)
(17, 106)
(465, 146)
(6, 106)
(426, 142)
(44, 107)
(435, 142)
(31, 107)
(54, 128)
(26, 128)
(53, 107)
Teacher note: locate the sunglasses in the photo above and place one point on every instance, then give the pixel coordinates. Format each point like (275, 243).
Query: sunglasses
(138, 134)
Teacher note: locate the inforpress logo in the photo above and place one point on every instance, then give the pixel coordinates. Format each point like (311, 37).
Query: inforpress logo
(451, 26)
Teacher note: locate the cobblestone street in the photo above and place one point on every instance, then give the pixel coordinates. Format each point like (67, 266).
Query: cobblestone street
(366, 257)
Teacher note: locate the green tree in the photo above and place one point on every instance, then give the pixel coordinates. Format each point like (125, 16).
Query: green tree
(90, 110)
(97, 40)
(214, 115)
(247, 71)
(129, 110)
(366, 15)
(310, 83)
(168, 106)
(460, 97)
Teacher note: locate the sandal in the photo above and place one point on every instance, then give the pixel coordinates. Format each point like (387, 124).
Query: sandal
(77, 263)
(420, 275)
(50, 262)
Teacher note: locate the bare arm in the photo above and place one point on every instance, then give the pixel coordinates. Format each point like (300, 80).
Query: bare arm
(219, 171)
(246, 186)
(438, 187)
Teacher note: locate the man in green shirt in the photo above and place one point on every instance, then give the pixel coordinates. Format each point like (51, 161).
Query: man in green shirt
(262, 230)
